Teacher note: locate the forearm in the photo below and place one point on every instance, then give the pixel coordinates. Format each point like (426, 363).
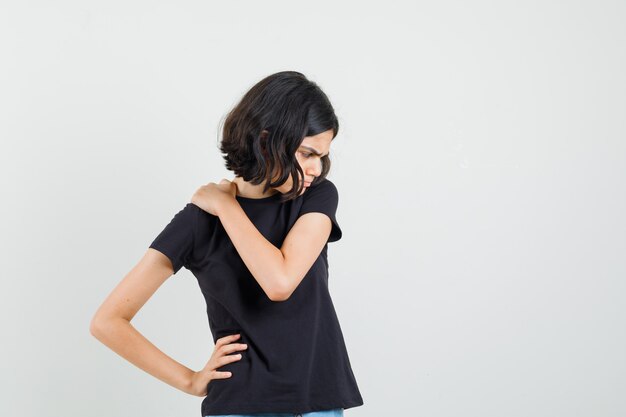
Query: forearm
(264, 260)
(122, 337)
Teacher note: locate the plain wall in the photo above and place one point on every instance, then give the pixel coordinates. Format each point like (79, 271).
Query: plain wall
(480, 166)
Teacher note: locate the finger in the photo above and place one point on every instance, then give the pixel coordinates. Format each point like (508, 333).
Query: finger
(233, 347)
(228, 359)
(227, 339)
(220, 374)
(226, 349)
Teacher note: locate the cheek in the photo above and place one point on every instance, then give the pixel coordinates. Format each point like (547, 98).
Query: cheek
(288, 184)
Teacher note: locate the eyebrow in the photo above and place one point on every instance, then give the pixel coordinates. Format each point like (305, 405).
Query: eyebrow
(313, 150)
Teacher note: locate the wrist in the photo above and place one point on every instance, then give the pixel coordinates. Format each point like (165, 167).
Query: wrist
(225, 204)
(188, 382)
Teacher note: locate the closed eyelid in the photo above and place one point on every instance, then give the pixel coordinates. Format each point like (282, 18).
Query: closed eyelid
(314, 152)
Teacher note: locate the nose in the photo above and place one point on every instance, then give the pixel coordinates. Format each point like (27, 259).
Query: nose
(314, 169)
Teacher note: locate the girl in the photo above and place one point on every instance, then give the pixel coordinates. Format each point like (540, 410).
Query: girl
(257, 246)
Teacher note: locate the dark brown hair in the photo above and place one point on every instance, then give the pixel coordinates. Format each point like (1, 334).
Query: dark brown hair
(262, 133)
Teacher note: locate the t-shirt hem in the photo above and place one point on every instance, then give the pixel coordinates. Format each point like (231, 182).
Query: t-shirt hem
(277, 407)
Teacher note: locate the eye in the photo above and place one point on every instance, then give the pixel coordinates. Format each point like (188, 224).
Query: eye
(306, 154)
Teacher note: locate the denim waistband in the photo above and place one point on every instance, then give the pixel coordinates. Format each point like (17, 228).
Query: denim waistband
(336, 412)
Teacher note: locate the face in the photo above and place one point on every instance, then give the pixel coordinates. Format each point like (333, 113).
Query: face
(309, 156)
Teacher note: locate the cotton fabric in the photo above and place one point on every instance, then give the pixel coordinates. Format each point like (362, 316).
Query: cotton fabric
(296, 360)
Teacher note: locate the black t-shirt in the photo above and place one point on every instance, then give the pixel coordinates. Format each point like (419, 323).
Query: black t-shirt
(296, 360)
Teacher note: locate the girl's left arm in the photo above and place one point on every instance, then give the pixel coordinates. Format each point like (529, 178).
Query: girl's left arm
(278, 271)
(264, 260)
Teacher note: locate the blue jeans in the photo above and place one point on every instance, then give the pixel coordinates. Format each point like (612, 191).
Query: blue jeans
(337, 412)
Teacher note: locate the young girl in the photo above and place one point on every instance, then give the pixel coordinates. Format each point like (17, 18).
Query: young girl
(258, 248)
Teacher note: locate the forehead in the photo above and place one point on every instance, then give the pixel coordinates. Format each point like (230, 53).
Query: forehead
(320, 142)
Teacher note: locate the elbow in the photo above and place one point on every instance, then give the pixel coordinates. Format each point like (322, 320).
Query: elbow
(100, 326)
(94, 327)
(280, 293)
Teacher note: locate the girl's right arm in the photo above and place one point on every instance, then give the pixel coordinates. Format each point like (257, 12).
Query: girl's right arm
(111, 325)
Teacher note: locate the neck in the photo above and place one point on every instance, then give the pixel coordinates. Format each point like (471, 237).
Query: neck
(245, 189)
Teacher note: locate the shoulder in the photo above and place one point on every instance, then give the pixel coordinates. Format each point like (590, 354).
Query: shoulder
(185, 220)
(183, 223)
(324, 189)
(326, 184)
(322, 196)
(190, 213)
(186, 215)
(192, 208)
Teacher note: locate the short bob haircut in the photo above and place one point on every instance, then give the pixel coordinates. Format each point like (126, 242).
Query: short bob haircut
(262, 133)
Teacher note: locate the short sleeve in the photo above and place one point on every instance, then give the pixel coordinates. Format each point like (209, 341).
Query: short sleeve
(176, 241)
(323, 198)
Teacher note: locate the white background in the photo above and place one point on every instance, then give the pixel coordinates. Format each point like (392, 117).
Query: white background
(480, 166)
